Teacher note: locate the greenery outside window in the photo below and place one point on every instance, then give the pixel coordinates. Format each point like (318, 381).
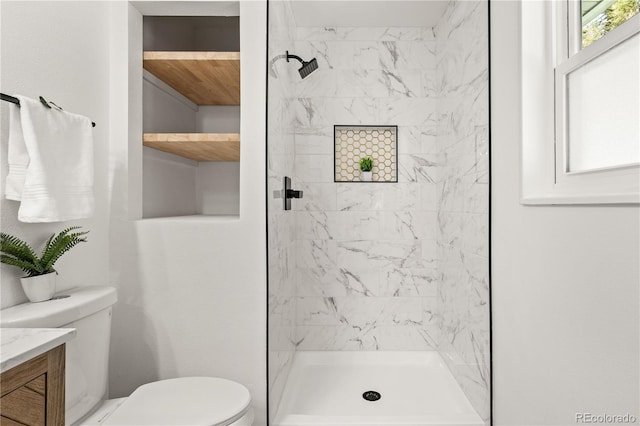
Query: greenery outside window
(599, 17)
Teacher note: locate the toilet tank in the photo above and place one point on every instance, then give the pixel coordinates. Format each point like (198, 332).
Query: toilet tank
(88, 310)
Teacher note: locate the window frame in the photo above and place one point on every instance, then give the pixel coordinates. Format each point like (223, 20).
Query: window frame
(546, 62)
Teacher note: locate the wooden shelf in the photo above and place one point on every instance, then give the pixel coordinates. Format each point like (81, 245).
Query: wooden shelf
(206, 78)
(197, 146)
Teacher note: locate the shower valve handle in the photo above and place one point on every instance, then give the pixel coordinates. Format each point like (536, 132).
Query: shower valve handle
(288, 193)
(292, 193)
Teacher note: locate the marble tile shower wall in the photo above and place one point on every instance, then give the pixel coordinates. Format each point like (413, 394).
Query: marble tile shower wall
(366, 268)
(462, 310)
(281, 243)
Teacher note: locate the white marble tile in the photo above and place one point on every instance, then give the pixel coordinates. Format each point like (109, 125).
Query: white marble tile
(336, 282)
(313, 168)
(279, 363)
(476, 198)
(361, 83)
(404, 338)
(407, 111)
(407, 225)
(415, 282)
(357, 225)
(428, 33)
(360, 282)
(429, 253)
(379, 254)
(364, 33)
(462, 298)
(314, 144)
(319, 254)
(400, 311)
(418, 168)
(317, 311)
(315, 196)
(317, 113)
(431, 85)
(409, 140)
(428, 196)
(475, 230)
(337, 338)
(315, 225)
(340, 54)
(403, 55)
(400, 196)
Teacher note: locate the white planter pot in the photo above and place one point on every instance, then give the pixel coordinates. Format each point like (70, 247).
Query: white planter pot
(366, 176)
(40, 287)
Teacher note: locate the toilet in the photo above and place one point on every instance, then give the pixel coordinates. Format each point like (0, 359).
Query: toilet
(186, 401)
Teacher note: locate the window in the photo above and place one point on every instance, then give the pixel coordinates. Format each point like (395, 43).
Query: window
(586, 74)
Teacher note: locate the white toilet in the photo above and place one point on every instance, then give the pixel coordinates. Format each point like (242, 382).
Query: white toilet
(202, 401)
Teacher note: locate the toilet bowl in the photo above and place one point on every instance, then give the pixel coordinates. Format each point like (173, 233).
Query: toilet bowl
(185, 401)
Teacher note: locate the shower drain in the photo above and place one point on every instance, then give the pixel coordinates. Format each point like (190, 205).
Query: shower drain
(371, 395)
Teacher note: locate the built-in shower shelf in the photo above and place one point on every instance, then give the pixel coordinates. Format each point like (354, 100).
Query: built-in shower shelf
(206, 78)
(197, 146)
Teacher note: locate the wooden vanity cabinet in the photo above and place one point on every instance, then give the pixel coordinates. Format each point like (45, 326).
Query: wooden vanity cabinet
(32, 393)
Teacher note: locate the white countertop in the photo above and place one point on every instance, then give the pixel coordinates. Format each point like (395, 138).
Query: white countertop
(18, 345)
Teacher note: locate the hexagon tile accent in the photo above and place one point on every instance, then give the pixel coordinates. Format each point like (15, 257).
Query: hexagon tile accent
(355, 142)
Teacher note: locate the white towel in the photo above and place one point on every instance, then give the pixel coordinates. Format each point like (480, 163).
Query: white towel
(17, 156)
(58, 183)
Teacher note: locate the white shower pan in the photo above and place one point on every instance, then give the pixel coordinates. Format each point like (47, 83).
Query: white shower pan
(416, 388)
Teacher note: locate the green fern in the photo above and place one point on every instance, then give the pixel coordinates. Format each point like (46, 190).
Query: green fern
(18, 253)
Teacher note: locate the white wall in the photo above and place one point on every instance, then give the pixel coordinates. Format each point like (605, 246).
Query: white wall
(64, 59)
(565, 280)
(169, 184)
(191, 291)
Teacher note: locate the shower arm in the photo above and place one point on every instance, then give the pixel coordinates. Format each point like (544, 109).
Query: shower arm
(288, 56)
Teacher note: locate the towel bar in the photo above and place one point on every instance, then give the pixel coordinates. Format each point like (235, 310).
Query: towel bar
(14, 100)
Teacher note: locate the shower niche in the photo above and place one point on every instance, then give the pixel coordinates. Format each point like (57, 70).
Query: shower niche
(191, 116)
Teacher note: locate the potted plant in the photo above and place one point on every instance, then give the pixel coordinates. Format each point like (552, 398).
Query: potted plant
(40, 282)
(366, 164)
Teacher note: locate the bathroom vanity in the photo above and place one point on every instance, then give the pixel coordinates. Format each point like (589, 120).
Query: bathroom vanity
(32, 364)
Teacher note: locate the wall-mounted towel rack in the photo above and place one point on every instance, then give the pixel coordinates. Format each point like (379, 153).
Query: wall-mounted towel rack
(14, 100)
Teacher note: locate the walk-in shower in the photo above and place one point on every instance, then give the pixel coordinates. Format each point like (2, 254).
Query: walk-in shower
(378, 296)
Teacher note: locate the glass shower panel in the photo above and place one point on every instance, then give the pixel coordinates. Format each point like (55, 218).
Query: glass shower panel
(369, 280)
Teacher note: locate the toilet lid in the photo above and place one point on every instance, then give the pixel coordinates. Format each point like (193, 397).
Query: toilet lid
(192, 401)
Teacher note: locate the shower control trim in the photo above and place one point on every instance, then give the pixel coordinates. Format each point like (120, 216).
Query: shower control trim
(289, 193)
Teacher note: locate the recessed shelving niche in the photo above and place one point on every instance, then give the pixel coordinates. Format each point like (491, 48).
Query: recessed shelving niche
(191, 116)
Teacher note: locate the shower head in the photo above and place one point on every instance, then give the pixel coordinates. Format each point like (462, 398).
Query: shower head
(306, 68)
